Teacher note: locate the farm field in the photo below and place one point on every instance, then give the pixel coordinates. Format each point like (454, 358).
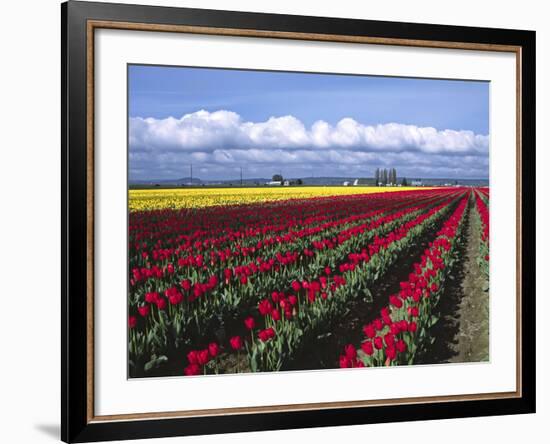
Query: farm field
(231, 280)
(159, 199)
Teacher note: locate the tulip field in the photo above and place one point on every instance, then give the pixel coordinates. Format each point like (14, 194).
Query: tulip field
(261, 279)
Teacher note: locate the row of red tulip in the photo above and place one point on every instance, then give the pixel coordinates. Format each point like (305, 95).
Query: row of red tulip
(482, 199)
(195, 228)
(484, 214)
(334, 263)
(203, 263)
(290, 315)
(240, 276)
(316, 237)
(165, 260)
(402, 328)
(178, 316)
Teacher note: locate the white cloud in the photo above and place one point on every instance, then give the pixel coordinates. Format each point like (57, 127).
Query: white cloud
(222, 140)
(225, 130)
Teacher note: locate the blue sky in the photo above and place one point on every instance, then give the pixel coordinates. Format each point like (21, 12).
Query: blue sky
(303, 124)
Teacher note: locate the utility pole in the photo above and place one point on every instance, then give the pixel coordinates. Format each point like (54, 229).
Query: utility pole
(191, 173)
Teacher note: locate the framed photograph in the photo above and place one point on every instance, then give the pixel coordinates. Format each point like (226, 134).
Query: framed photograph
(275, 221)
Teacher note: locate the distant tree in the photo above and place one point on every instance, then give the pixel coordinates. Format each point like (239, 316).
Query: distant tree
(376, 176)
(394, 176)
(404, 182)
(277, 178)
(384, 176)
(299, 182)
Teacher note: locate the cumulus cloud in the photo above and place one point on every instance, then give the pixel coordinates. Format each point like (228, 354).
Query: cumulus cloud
(226, 130)
(221, 140)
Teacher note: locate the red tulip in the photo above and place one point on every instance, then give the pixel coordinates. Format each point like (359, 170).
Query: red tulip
(276, 315)
(143, 310)
(249, 323)
(132, 322)
(266, 335)
(192, 370)
(174, 295)
(345, 362)
(213, 349)
(152, 297)
(350, 352)
(212, 282)
(367, 348)
(203, 357)
(401, 346)
(413, 311)
(236, 343)
(228, 274)
(161, 303)
(389, 339)
(265, 307)
(193, 357)
(395, 301)
(395, 328)
(369, 331)
(391, 353)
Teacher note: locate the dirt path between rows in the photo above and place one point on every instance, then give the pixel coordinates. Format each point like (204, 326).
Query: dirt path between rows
(473, 316)
(462, 333)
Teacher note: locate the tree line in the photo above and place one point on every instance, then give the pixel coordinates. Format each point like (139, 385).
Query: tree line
(383, 177)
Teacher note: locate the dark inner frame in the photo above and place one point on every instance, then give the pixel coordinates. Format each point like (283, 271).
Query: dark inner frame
(76, 425)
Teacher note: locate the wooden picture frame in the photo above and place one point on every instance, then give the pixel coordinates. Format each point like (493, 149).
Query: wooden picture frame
(79, 22)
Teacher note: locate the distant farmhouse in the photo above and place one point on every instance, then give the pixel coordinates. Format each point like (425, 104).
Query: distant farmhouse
(416, 182)
(277, 181)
